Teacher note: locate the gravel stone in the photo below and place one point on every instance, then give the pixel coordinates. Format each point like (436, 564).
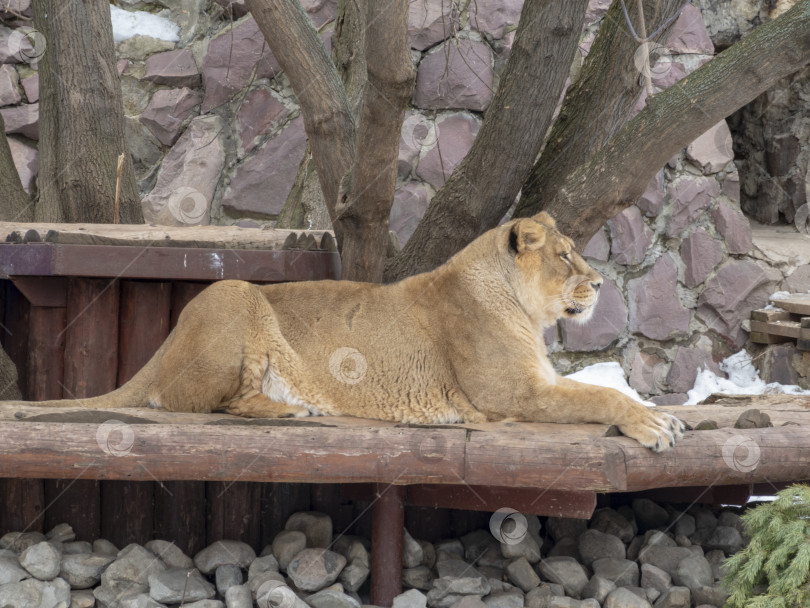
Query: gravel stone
(666, 558)
(528, 547)
(224, 552)
(332, 598)
(105, 547)
(19, 541)
(522, 574)
(129, 574)
(598, 588)
(566, 547)
(420, 577)
(505, 599)
(227, 576)
(315, 568)
(238, 596)
(676, 597)
(469, 601)
(62, 533)
(266, 563)
(560, 527)
(316, 526)
(178, 584)
(141, 600)
(410, 599)
(10, 570)
(286, 545)
(623, 572)
(82, 599)
(563, 602)
(354, 575)
(32, 593)
(411, 551)
(695, 571)
(684, 525)
(726, 539)
(567, 572)
(477, 543)
(539, 597)
(649, 515)
(594, 545)
(77, 546)
(170, 554)
(614, 523)
(653, 577)
(624, 598)
(716, 595)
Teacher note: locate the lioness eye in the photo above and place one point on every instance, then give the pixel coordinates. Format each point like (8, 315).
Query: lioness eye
(564, 256)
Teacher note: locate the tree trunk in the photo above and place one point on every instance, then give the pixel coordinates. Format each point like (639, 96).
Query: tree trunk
(615, 177)
(15, 204)
(367, 190)
(82, 117)
(305, 207)
(598, 103)
(476, 196)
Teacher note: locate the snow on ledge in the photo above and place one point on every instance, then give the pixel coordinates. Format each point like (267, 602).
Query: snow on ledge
(126, 24)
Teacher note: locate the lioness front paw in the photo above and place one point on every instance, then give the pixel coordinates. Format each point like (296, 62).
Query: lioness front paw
(655, 430)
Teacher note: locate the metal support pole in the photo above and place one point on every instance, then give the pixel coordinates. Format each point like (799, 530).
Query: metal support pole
(387, 525)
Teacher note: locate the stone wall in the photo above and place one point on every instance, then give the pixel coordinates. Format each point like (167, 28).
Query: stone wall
(216, 136)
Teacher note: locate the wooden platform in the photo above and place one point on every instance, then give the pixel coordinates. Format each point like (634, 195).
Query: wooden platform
(787, 320)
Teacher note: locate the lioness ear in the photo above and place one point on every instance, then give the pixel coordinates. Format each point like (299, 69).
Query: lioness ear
(545, 218)
(526, 235)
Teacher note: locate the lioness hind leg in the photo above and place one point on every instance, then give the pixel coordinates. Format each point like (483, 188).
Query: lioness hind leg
(261, 406)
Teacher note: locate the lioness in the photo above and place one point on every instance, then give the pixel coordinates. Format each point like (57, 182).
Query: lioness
(463, 343)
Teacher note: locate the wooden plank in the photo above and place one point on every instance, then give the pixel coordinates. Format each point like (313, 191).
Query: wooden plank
(46, 352)
(225, 237)
(534, 501)
(763, 338)
(223, 453)
(75, 501)
(182, 293)
(22, 502)
(166, 263)
(127, 509)
(15, 333)
(803, 343)
(279, 501)
(43, 291)
(180, 513)
(234, 512)
(789, 329)
(797, 303)
(773, 314)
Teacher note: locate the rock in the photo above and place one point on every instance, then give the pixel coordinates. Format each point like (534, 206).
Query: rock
(105, 547)
(410, 599)
(630, 237)
(141, 600)
(476, 543)
(9, 86)
(715, 595)
(32, 593)
(653, 577)
(238, 596)
(685, 367)
(22, 119)
(188, 176)
(539, 597)
(230, 61)
(316, 526)
(725, 538)
(26, 160)
(82, 599)
(693, 572)
(657, 538)
(614, 523)
(447, 586)
(652, 199)
(410, 203)
(286, 545)
(701, 254)
(266, 563)
(144, 148)
(598, 248)
(261, 183)
(566, 547)
(665, 558)
(560, 527)
(522, 574)
(603, 328)
(689, 198)
(170, 554)
(563, 602)
(227, 576)
(712, 151)
(594, 545)
(689, 34)
(456, 133)
(729, 297)
(734, 227)
(61, 533)
(411, 551)
(179, 585)
(315, 568)
(354, 575)
(332, 598)
(623, 572)
(494, 17)
(469, 601)
(83, 570)
(456, 75)
(42, 560)
(598, 588)
(79, 546)
(131, 571)
(261, 111)
(654, 312)
(429, 23)
(527, 548)
(167, 111)
(224, 552)
(676, 597)
(173, 68)
(624, 598)
(565, 571)
(776, 364)
(205, 604)
(505, 599)
(30, 85)
(11, 571)
(648, 375)
(420, 577)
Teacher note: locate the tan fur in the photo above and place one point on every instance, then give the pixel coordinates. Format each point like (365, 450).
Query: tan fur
(463, 343)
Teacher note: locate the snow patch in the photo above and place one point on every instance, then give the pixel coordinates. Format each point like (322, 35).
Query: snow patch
(126, 24)
(609, 375)
(743, 379)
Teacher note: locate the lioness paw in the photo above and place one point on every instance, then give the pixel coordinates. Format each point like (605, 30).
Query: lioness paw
(656, 430)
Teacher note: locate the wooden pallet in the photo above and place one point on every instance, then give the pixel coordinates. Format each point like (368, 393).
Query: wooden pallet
(789, 322)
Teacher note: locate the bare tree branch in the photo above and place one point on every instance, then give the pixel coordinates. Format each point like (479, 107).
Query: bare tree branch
(476, 197)
(617, 175)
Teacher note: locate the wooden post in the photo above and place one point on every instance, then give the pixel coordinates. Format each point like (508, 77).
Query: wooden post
(180, 514)
(278, 502)
(388, 513)
(233, 512)
(91, 367)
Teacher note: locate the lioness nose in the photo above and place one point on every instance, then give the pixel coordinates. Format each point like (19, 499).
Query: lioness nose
(596, 286)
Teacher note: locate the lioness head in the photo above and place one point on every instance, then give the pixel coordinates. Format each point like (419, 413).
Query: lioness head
(554, 281)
